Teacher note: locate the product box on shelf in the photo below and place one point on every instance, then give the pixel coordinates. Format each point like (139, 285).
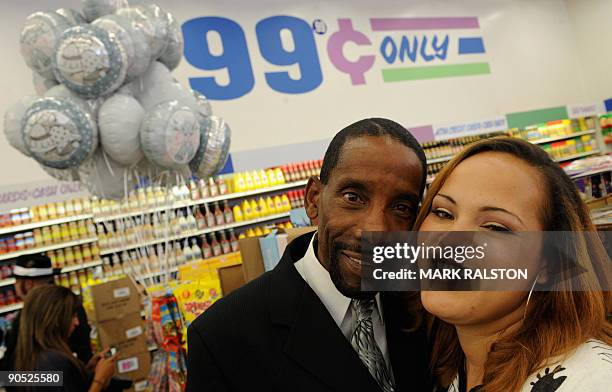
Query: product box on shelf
(115, 299)
(126, 334)
(134, 367)
(231, 278)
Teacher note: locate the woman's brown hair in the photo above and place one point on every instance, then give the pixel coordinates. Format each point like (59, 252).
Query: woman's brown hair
(556, 321)
(44, 325)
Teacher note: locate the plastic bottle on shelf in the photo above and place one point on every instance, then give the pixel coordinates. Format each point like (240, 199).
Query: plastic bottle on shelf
(263, 178)
(183, 225)
(192, 224)
(256, 179)
(222, 186)
(215, 246)
(212, 188)
(248, 181)
(199, 217)
(38, 237)
(234, 246)
(219, 215)
(263, 207)
(241, 236)
(65, 232)
(210, 216)
(271, 174)
(238, 183)
(255, 209)
(250, 233)
(83, 232)
(179, 255)
(56, 234)
(280, 179)
(266, 230)
(87, 253)
(258, 232)
(196, 252)
(270, 205)
(225, 245)
(278, 204)
(43, 213)
(60, 209)
(286, 203)
(78, 255)
(237, 212)
(246, 210)
(51, 255)
(52, 211)
(60, 258)
(227, 213)
(206, 249)
(194, 190)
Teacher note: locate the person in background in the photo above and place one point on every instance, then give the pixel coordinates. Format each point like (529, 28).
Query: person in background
(30, 272)
(505, 341)
(48, 318)
(306, 325)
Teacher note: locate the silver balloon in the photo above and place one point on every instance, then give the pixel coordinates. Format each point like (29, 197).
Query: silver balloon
(215, 140)
(170, 135)
(41, 84)
(73, 16)
(156, 73)
(171, 57)
(39, 36)
(90, 62)
(59, 133)
(145, 19)
(90, 105)
(203, 103)
(13, 118)
(119, 123)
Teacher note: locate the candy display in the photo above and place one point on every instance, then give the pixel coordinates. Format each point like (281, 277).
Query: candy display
(112, 115)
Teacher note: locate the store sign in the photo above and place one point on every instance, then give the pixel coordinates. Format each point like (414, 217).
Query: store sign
(36, 193)
(444, 132)
(406, 49)
(589, 110)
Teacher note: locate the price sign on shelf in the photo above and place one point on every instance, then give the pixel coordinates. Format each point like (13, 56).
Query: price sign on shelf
(444, 132)
(588, 110)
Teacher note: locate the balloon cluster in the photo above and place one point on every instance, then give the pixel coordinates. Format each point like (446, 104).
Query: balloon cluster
(108, 104)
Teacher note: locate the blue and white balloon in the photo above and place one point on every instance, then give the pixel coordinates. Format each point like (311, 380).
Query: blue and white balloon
(211, 157)
(13, 118)
(119, 123)
(90, 62)
(73, 16)
(59, 133)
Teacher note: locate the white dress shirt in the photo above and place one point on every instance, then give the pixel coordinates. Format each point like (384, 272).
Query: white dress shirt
(336, 303)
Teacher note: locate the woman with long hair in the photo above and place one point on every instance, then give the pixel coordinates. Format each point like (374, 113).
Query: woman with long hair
(507, 341)
(47, 320)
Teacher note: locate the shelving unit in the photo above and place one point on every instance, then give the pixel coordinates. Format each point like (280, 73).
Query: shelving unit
(438, 160)
(576, 156)
(12, 255)
(91, 264)
(195, 233)
(229, 196)
(11, 308)
(36, 225)
(562, 137)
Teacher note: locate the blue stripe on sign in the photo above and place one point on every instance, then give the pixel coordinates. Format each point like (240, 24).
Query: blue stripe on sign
(471, 45)
(229, 166)
(608, 103)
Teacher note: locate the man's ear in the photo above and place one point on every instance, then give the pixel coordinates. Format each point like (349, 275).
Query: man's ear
(312, 201)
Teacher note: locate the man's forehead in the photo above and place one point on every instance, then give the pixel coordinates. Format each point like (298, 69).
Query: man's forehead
(374, 151)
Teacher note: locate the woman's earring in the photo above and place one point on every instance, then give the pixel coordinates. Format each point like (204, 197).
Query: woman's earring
(529, 296)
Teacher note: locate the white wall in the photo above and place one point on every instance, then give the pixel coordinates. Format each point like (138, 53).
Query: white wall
(592, 23)
(530, 47)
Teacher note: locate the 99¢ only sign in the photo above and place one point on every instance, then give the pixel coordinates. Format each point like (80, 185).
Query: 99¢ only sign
(392, 49)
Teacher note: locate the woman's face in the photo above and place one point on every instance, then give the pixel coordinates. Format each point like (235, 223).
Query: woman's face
(494, 192)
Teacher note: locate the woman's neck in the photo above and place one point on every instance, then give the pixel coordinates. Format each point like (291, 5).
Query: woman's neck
(476, 341)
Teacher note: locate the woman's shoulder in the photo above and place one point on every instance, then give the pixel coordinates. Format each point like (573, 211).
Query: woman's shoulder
(588, 368)
(53, 360)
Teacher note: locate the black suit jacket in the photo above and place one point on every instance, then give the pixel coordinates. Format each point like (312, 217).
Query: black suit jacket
(275, 334)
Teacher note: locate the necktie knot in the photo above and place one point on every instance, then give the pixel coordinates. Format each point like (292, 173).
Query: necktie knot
(363, 308)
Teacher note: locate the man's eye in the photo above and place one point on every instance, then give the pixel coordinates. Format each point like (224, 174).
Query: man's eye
(403, 209)
(351, 197)
(442, 213)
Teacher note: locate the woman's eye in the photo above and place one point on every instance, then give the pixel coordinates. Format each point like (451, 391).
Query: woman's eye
(351, 197)
(496, 227)
(442, 213)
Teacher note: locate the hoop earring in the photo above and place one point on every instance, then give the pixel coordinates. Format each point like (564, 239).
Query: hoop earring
(529, 296)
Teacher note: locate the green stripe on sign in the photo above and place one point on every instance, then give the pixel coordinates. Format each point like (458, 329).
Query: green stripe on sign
(435, 72)
(534, 117)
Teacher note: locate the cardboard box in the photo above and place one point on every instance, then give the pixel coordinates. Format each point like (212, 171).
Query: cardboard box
(134, 367)
(231, 278)
(115, 299)
(127, 334)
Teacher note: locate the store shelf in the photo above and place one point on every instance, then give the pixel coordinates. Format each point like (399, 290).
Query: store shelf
(441, 159)
(562, 137)
(7, 282)
(12, 255)
(36, 225)
(195, 233)
(591, 172)
(207, 200)
(83, 266)
(576, 156)
(11, 308)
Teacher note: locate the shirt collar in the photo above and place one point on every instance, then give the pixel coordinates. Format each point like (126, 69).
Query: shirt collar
(320, 282)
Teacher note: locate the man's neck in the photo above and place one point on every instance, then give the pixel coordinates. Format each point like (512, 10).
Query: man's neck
(476, 341)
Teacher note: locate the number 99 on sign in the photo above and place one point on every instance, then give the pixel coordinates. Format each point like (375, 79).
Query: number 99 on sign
(235, 58)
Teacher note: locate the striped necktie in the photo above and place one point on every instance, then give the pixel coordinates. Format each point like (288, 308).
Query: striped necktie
(362, 340)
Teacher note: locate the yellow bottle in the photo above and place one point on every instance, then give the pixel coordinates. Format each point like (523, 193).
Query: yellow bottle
(271, 206)
(255, 209)
(250, 233)
(286, 203)
(266, 231)
(278, 203)
(280, 179)
(69, 256)
(263, 207)
(271, 177)
(246, 210)
(238, 183)
(263, 177)
(256, 179)
(248, 181)
(238, 217)
(60, 258)
(288, 225)
(258, 232)
(241, 236)
(56, 234)
(65, 232)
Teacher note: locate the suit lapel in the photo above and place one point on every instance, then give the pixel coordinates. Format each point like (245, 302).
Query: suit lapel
(314, 341)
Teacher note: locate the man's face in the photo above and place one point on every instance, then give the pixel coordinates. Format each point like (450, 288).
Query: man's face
(374, 187)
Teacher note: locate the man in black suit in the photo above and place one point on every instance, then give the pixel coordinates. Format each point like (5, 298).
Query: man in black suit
(306, 325)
